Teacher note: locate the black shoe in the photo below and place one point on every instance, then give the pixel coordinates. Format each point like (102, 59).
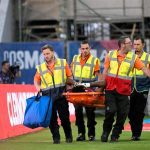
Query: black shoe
(80, 137)
(69, 140)
(91, 138)
(104, 137)
(135, 138)
(56, 141)
(113, 139)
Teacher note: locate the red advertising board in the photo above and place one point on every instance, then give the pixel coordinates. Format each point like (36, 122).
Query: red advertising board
(12, 107)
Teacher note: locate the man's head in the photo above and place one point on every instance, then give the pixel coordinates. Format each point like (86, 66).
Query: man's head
(138, 44)
(5, 66)
(48, 52)
(85, 48)
(125, 44)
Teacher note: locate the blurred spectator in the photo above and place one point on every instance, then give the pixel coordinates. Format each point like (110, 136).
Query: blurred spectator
(8, 73)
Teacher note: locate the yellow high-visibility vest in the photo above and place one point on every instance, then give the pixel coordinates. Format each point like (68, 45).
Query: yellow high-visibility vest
(59, 74)
(146, 60)
(126, 66)
(86, 72)
(140, 81)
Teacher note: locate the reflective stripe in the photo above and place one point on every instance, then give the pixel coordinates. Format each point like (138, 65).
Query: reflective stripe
(59, 68)
(56, 68)
(91, 67)
(40, 69)
(131, 64)
(146, 59)
(125, 77)
(77, 63)
(113, 59)
(111, 53)
(52, 87)
(141, 76)
(120, 77)
(44, 72)
(125, 60)
(75, 59)
(88, 65)
(62, 68)
(81, 76)
(112, 75)
(128, 61)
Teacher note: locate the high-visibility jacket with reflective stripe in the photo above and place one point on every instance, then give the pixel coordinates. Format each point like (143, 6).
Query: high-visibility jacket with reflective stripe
(84, 73)
(59, 74)
(140, 82)
(119, 76)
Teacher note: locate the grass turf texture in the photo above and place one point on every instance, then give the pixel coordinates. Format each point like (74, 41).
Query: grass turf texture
(42, 140)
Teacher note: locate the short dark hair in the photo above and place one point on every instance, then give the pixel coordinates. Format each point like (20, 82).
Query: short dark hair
(121, 40)
(138, 37)
(85, 42)
(47, 47)
(4, 62)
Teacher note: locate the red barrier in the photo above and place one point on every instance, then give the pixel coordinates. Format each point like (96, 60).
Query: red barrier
(12, 108)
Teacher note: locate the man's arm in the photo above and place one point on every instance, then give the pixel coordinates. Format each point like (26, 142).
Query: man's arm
(96, 73)
(105, 71)
(70, 81)
(140, 66)
(98, 83)
(37, 81)
(146, 71)
(106, 66)
(37, 86)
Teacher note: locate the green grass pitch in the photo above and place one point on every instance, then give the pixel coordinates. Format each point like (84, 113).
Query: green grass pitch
(42, 140)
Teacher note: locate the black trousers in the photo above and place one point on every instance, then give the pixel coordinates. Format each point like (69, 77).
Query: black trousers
(90, 113)
(136, 114)
(116, 104)
(61, 108)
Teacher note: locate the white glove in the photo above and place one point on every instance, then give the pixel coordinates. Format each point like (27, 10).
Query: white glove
(85, 84)
(76, 84)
